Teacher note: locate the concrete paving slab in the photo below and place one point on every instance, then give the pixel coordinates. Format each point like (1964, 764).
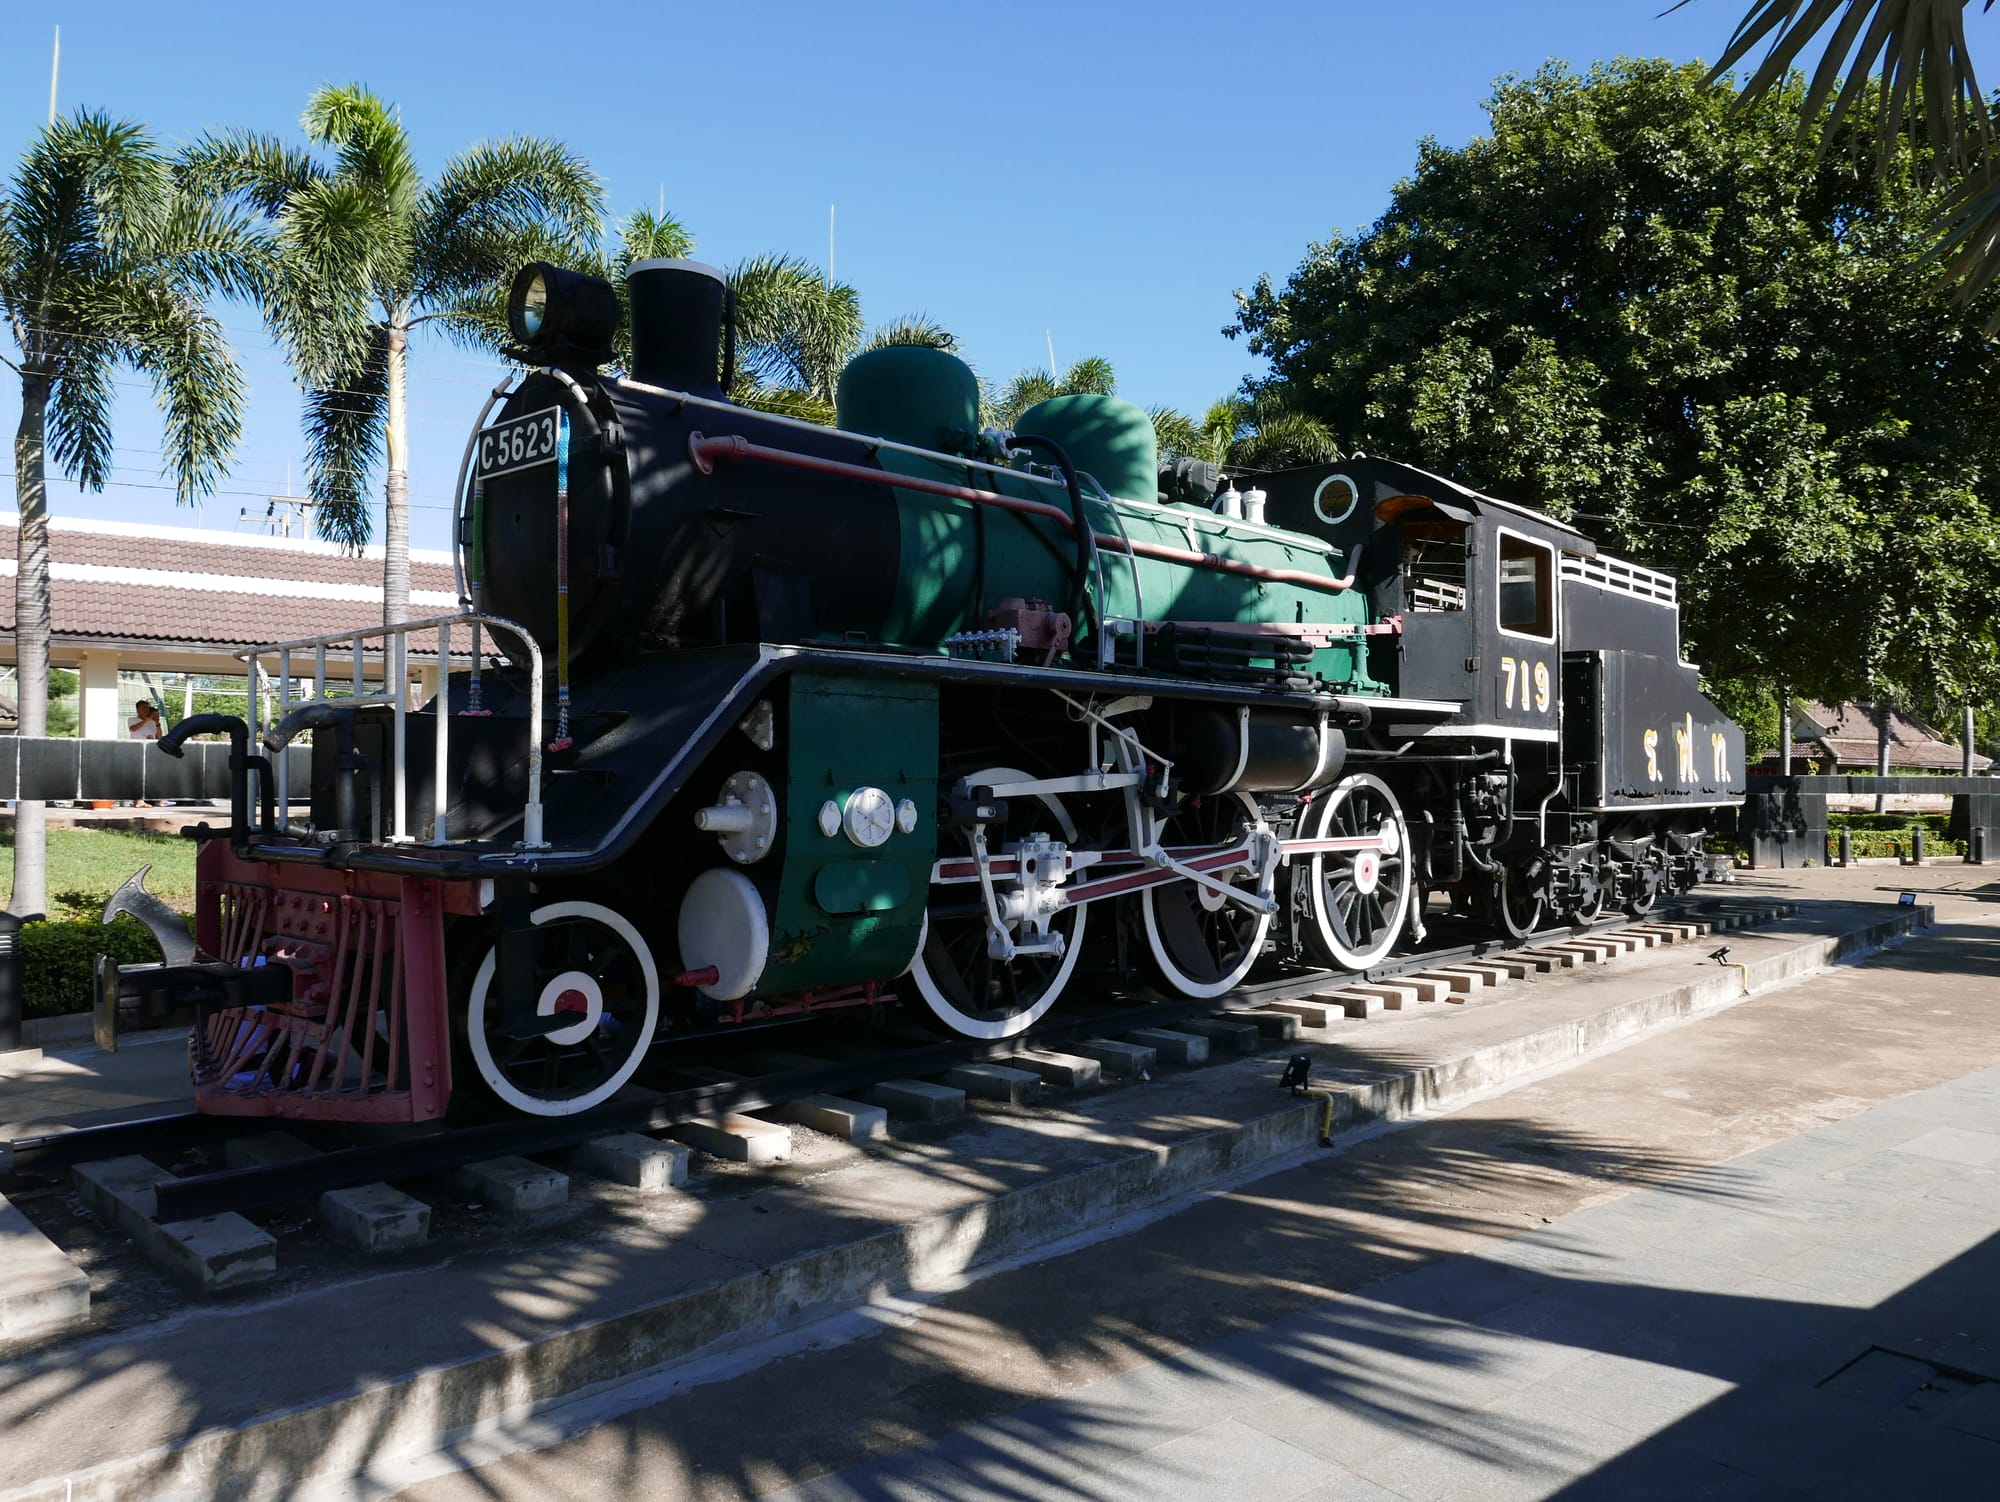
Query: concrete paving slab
(514, 1186)
(740, 1139)
(634, 1160)
(41, 1290)
(1119, 1058)
(849, 1120)
(1171, 1044)
(920, 1100)
(995, 1082)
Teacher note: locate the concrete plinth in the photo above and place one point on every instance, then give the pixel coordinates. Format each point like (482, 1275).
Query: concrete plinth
(214, 1251)
(1272, 1024)
(995, 1082)
(1227, 1037)
(1121, 1060)
(919, 1100)
(369, 1218)
(514, 1186)
(41, 1290)
(1394, 995)
(850, 1120)
(1066, 1071)
(634, 1160)
(1356, 1004)
(740, 1139)
(1173, 1046)
(374, 1218)
(1311, 1013)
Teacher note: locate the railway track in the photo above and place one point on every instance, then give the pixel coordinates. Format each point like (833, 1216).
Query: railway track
(348, 1163)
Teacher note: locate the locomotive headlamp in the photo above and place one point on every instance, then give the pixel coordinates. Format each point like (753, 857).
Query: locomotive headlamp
(561, 317)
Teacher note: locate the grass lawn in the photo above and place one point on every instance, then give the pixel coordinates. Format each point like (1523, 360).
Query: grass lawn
(88, 865)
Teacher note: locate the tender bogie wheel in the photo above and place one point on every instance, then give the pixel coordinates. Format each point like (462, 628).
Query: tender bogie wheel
(1360, 899)
(1646, 894)
(590, 964)
(955, 974)
(1201, 943)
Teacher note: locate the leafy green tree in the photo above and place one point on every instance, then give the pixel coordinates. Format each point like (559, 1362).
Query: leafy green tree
(107, 262)
(370, 252)
(1704, 338)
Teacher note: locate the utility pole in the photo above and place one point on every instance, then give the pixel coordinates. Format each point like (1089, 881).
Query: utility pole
(55, 68)
(1051, 338)
(297, 511)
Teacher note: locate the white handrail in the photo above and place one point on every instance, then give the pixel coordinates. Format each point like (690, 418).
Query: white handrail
(396, 693)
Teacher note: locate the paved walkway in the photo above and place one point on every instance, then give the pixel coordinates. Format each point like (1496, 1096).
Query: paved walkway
(1585, 1288)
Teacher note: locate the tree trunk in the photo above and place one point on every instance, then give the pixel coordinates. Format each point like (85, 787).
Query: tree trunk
(31, 635)
(396, 493)
(1881, 753)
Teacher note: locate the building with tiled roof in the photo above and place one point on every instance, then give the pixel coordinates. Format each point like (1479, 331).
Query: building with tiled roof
(139, 604)
(1847, 738)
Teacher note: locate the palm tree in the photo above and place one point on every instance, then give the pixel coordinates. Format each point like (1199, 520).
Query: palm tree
(107, 262)
(368, 252)
(1928, 93)
(796, 330)
(1090, 376)
(1254, 432)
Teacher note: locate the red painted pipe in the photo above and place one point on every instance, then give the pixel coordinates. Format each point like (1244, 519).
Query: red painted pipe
(705, 451)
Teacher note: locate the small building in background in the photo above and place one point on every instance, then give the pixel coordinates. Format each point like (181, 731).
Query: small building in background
(1846, 738)
(160, 613)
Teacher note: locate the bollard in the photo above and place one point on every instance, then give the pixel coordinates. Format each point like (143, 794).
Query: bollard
(12, 981)
(1917, 845)
(1975, 846)
(1847, 847)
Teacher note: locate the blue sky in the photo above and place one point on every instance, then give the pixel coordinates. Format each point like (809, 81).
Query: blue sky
(1102, 176)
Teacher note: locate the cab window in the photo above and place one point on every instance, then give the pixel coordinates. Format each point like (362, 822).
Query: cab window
(1527, 587)
(1434, 565)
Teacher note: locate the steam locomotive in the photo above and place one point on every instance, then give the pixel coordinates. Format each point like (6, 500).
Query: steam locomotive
(746, 719)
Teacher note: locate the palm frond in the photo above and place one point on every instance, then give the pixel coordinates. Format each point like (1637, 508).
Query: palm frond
(1090, 376)
(471, 224)
(344, 436)
(369, 140)
(79, 417)
(793, 327)
(1176, 433)
(646, 236)
(1919, 46)
(916, 329)
(260, 169)
(784, 401)
(169, 335)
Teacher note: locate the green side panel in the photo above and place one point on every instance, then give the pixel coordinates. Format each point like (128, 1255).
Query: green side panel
(909, 394)
(1109, 439)
(862, 886)
(847, 733)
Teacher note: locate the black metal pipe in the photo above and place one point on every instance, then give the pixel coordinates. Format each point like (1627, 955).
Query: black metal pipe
(1086, 533)
(173, 742)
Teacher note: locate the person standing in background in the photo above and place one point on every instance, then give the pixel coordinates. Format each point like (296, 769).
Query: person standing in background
(146, 726)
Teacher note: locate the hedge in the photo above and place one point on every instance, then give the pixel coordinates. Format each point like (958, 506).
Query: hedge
(60, 957)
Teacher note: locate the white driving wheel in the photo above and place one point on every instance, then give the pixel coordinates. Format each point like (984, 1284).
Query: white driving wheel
(954, 972)
(1360, 898)
(1204, 944)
